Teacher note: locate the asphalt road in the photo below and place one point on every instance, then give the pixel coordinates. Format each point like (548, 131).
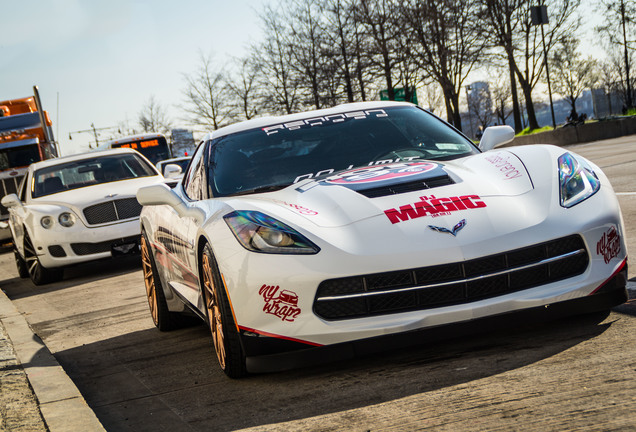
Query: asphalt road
(575, 374)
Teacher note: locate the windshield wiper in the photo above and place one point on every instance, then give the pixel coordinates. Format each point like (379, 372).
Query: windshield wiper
(260, 189)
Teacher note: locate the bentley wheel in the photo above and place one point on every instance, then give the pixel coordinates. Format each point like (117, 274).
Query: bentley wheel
(164, 319)
(23, 271)
(39, 274)
(220, 318)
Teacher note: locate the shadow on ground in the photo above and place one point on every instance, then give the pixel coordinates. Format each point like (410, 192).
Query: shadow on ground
(148, 380)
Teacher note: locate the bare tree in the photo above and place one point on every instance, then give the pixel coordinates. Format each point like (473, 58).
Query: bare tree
(572, 74)
(274, 58)
(153, 117)
(432, 98)
(620, 30)
(514, 32)
(340, 29)
(307, 46)
(501, 97)
(448, 44)
(380, 33)
(206, 96)
(244, 87)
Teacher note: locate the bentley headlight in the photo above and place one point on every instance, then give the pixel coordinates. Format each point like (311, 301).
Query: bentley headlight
(577, 180)
(46, 222)
(66, 219)
(258, 232)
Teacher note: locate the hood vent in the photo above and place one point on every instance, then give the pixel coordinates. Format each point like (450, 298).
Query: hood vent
(401, 188)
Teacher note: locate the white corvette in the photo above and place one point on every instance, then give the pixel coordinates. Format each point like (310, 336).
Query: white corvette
(75, 209)
(355, 228)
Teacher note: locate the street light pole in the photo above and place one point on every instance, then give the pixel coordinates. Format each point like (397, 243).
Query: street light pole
(539, 16)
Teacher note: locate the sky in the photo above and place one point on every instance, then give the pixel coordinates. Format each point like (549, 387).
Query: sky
(100, 62)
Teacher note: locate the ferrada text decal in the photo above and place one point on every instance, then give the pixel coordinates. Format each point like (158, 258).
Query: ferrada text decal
(432, 206)
(283, 304)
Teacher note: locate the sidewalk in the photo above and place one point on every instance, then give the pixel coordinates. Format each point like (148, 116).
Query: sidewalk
(36, 395)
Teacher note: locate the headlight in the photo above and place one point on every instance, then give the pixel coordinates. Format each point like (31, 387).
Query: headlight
(66, 219)
(46, 222)
(258, 232)
(577, 180)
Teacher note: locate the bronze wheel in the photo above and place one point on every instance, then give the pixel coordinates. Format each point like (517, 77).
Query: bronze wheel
(149, 280)
(163, 319)
(224, 331)
(213, 310)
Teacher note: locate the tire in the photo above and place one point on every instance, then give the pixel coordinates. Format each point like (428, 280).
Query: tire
(227, 344)
(23, 271)
(163, 319)
(39, 274)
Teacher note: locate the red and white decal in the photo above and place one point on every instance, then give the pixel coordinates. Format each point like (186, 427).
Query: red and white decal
(381, 173)
(298, 208)
(609, 246)
(282, 304)
(507, 164)
(432, 206)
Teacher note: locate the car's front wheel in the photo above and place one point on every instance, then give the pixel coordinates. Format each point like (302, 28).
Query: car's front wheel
(23, 271)
(220, 318)
(39, 274)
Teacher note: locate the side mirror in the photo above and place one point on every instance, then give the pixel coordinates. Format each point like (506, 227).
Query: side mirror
(161, 194)
(172, 171)
(496, 136)
(11, 200)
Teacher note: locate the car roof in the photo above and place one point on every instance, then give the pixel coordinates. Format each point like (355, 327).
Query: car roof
(273, 120)
(80, 156)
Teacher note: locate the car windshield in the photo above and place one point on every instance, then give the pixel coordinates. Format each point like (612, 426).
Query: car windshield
(88, 172)
(276, 156)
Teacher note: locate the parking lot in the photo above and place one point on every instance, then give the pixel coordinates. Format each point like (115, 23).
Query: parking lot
(571, 374)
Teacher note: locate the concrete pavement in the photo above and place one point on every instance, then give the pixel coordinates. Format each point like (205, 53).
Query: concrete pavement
(61, 406)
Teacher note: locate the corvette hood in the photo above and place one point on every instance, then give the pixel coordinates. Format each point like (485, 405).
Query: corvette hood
(433, 188)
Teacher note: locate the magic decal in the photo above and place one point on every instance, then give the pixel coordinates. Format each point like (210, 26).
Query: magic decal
(609, 246)
(509, 170)
(434, 207)
(282, 304)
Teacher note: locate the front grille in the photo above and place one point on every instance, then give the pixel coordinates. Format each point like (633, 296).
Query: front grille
(112, 211)
(8, 186)
(451, 284)
(57, 251)
(401, 188)
(105, 246)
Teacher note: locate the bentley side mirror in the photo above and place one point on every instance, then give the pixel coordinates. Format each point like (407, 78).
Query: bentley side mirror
(496, 136)
(161, 194)
(11, 200)
(172, 171)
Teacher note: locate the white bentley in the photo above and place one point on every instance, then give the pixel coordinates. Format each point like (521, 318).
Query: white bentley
(77, 208)
(329, 233)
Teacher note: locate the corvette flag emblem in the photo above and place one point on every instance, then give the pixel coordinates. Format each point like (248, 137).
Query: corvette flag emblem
(454, 231)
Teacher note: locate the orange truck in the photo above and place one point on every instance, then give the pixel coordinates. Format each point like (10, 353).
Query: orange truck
(26, 136)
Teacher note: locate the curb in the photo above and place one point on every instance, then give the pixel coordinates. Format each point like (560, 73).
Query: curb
(62, 405)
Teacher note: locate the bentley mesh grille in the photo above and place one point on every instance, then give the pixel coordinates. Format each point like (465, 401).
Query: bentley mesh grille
(407, 187)
(451, 284)
(105, 246)
(8, 186)
(111, 211)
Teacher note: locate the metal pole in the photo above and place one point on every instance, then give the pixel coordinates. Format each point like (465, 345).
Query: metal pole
(547, 74)
(96, 139)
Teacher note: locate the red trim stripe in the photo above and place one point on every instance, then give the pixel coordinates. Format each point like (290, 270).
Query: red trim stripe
(278, 336)
(620, 268)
